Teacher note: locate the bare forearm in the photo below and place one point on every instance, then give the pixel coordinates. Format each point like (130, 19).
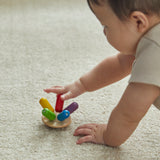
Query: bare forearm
(107, 72)
(118, 129)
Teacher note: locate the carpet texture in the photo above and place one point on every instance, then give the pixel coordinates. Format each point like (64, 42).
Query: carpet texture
(53, 42)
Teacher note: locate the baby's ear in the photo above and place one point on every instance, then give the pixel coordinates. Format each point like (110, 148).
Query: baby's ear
(140, 20)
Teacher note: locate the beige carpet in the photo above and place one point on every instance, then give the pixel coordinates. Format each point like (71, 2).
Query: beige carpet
(54, 42)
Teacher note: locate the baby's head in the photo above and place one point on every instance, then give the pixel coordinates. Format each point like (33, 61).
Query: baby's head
(124, 8)
(126, 21)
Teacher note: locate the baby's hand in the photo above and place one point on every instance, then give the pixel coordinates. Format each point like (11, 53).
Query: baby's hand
(91, 133)
(69, 91)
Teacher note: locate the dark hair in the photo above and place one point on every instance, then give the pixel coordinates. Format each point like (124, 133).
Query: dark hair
(123, 8)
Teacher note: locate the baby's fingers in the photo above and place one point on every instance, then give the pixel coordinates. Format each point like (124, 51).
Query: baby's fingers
(82, 131)
(55, 89)
(85, 139)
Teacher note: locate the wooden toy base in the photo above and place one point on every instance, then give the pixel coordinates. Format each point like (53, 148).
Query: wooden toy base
(56, 123)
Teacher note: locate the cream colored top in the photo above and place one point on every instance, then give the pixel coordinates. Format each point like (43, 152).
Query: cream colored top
(146, 67)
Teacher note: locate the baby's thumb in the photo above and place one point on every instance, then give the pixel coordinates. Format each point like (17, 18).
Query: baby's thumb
(66, 96)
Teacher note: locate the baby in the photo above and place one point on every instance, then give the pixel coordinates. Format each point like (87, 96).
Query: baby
(133, 28)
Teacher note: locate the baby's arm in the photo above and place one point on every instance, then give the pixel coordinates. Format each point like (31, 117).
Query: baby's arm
(133, 105)
(108, 71)
(124, 119)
